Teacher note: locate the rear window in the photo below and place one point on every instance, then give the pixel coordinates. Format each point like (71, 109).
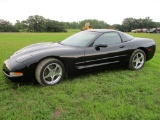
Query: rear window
(126, 37)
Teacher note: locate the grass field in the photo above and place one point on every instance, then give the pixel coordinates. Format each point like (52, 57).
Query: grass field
(104, 95)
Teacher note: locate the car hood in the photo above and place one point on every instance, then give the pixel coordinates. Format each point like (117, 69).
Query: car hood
(29, 51)
(38, 47)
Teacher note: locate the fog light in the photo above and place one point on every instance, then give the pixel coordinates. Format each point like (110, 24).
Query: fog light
(15, 74)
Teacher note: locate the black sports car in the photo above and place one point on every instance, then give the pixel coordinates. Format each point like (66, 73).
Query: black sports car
(87, 50)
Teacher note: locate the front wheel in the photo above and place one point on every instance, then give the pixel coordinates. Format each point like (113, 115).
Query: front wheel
(49, 71)
(137, 60)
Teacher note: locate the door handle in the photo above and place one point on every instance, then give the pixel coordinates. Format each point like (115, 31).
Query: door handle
(122, 46)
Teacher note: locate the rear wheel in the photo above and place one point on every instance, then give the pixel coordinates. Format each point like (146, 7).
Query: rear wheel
(137, 60)
(49, 71)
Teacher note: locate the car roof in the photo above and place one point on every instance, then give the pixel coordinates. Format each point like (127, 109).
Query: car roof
(124, 36)
(101, 30)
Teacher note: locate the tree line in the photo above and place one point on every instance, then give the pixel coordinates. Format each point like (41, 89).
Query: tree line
(38, 23)
(130, 24)
(33, 24)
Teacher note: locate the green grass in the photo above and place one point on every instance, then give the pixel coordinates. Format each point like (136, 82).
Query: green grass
(108, 94)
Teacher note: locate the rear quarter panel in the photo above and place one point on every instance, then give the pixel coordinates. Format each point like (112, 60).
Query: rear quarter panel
(145, 44)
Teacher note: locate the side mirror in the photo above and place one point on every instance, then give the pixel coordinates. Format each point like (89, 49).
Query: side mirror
(97, 47)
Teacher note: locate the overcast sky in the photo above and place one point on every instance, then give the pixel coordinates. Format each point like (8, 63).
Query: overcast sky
(110, 11)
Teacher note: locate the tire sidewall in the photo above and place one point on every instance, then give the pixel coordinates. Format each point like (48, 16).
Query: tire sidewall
(45, 65)
(132, 56)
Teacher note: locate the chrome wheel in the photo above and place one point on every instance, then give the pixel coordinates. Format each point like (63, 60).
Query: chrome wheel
(138, 60)
(49, 71)
(52, 73)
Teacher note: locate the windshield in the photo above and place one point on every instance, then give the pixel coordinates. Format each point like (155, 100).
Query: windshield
(80, 39)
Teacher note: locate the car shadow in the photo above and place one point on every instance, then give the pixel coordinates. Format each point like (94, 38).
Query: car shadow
(16, 84)
(95, 72)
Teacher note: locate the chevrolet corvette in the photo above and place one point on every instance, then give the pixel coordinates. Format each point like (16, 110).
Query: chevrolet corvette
(50, 62)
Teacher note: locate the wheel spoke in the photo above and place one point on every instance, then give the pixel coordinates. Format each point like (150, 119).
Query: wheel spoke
(134, 60)
(55, 69)
(49, 69)
(136, 64)
(52, 73)
(47, 76)
(136, 56)
(141, 58)
(140, 63)
(58, 74)
(52, 79)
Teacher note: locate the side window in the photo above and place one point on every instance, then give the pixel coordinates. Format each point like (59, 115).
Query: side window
(108, 38)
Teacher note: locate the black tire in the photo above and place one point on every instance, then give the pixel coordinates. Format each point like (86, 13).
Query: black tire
(137, 60)
(49, 71)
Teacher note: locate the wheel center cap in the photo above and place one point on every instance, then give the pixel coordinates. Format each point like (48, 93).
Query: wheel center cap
(52, 73)
(137, 60)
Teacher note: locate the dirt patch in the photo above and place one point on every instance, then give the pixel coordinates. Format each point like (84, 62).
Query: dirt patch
(57, 113)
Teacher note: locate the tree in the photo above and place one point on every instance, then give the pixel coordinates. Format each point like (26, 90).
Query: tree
(54, 26)
(116, 27)
(35, 23)
(157, 24)
(6, 26)
(129, 24)
(20, 26)
(40, 24)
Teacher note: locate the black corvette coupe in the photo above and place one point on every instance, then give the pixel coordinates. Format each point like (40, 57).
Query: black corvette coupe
(87, 50)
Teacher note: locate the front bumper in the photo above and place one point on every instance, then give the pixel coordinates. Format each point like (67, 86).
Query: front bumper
(13, 74)
(10, 67)
(15, 71)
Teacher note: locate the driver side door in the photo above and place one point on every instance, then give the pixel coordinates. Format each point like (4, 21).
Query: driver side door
(108, 49)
